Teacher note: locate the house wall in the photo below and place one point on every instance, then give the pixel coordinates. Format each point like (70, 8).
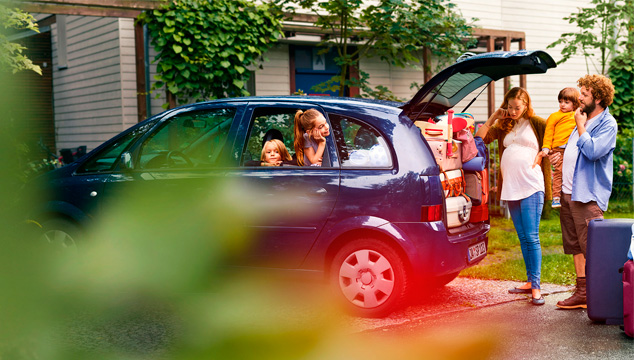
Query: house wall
(91, 100)
(541, 21)
(274, 76)
(95, 97)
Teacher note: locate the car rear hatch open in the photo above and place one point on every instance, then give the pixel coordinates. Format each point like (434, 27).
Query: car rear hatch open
(454, 83)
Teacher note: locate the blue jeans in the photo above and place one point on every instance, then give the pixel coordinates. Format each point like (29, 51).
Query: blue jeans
(526, 214)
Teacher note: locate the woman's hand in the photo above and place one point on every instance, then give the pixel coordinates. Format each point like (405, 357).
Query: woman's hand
(538, 158)
(499, 114)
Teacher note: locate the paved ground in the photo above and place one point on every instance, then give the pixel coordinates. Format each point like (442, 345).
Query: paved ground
(500, 326)
(467, 319)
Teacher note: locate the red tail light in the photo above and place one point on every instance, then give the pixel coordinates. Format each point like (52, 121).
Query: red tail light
(431, 213)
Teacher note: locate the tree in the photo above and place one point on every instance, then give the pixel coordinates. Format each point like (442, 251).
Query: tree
(394, 30)
(205, 47)
(600, 29)
(11, 57)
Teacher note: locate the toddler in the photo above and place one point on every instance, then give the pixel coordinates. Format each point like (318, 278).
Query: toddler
(274, 153)
(558, 128)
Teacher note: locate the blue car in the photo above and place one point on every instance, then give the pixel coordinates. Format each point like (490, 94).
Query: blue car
(377, 228)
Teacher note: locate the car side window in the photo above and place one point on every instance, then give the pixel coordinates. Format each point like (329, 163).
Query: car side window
(107, 158)
(272, 123)
(193, 139)
(359, 145)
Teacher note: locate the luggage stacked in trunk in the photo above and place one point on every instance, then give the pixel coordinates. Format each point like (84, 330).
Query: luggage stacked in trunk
(463, 171)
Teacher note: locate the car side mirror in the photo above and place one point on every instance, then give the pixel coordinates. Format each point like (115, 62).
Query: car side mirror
(126, 161)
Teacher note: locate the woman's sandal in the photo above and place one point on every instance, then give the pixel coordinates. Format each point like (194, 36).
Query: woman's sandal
(538, 301)
(520, 291)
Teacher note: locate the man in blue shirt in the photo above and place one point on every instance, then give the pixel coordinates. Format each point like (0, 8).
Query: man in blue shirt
(586, 175)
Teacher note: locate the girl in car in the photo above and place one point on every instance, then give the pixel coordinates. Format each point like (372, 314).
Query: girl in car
(525, 187)
(274, 153)
(311, 130)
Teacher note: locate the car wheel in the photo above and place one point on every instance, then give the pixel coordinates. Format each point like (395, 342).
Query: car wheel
(61, 234)
(370, 277)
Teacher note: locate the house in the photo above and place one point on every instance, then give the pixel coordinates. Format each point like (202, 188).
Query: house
(96, 77)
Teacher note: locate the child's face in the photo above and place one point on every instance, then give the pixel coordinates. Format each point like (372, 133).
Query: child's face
(322, 126)
(565, 105)
(271, 154)
(516, 108)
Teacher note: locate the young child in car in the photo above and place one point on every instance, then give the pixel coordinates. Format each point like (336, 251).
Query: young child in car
(274, 153)
(311, 130)
(558, 128)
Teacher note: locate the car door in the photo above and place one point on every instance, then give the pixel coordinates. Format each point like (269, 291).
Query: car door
(296, 201)
(86, 188)
(179, 158)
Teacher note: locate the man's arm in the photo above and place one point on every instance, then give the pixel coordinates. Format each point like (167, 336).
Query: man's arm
(599, 145)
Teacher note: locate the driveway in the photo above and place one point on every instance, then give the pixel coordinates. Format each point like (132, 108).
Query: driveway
(476, 319)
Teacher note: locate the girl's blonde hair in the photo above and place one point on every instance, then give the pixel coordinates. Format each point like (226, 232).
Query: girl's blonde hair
(507, 124)
(281, 148)
(304, 121)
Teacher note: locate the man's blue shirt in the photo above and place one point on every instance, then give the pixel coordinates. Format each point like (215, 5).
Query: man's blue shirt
(592, 179)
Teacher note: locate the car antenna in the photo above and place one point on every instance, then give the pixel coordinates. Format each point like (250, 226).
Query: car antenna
(477, 96)
(433, 97)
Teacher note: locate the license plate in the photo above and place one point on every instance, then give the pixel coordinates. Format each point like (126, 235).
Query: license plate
(476, 251)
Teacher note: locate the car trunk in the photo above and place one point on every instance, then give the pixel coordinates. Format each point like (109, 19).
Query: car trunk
(431, 109)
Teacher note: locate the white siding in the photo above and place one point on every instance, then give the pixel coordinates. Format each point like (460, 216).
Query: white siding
(274, 77)
(541, 21)
(88, 94)
(129, 109)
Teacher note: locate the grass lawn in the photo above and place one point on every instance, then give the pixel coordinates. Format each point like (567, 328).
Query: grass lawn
(504, 260)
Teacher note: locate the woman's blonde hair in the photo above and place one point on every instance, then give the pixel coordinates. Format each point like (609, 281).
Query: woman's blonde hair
(304, 121)
(507, 124)
(281, 148)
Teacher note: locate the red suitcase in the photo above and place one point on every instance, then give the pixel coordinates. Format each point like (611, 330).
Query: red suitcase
(628, 298)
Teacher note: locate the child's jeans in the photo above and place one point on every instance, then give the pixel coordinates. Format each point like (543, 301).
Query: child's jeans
(557, 171)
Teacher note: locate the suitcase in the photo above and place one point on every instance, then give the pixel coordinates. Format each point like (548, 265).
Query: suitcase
(628, 298)
(453, 182)
(477, 186)
(439, 149)
(608, 242)
(433, 131)
(458, 211)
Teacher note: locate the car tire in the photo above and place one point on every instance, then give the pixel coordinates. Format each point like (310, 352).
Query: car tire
(370, 278)
(61, 235)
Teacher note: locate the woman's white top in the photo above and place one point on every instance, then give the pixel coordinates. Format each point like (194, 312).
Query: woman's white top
(519, 179)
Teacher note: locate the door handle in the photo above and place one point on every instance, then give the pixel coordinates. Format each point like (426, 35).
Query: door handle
(321, 192)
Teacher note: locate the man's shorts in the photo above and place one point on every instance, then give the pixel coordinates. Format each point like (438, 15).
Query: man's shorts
(574, 217)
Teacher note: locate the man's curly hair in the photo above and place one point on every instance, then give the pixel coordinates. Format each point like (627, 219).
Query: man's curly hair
(600, 87)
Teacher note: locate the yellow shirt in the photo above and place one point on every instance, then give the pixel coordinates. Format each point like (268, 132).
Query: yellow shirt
(558, 128)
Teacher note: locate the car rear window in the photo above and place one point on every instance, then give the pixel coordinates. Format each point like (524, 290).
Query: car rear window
(359, 145)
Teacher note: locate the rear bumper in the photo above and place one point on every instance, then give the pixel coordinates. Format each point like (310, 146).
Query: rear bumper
(433, 252)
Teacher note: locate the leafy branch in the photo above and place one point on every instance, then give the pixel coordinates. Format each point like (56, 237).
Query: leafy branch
(206, 47)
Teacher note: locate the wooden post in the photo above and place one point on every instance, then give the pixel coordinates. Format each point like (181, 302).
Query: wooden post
(507, 47)
(523, 77)
(427, 64)
(139, 50)
(491, 88)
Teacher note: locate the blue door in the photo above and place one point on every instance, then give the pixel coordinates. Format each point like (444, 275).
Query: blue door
(312, 68)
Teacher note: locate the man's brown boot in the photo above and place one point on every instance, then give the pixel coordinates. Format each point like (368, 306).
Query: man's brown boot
(578, 299)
